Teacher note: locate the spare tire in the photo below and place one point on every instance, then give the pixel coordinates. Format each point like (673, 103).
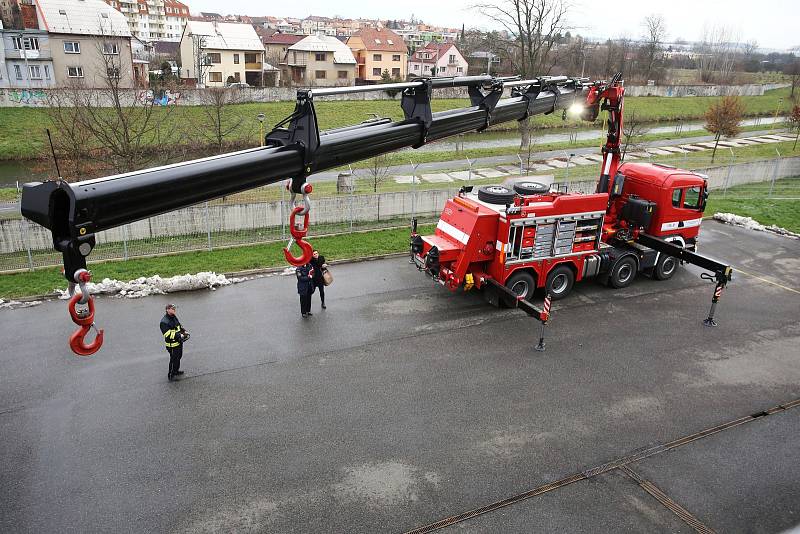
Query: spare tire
(496, 194)
(531, 188)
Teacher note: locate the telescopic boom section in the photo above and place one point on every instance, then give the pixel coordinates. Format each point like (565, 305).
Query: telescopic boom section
(608, 97)
(295, 149)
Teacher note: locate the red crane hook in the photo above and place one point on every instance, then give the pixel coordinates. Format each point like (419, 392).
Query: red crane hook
(299, 233)
(84, 320)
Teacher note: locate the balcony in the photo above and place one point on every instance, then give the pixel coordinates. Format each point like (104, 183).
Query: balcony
(254, 66)
(32, 55)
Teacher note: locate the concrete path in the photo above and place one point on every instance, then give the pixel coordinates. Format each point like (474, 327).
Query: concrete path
(403, 404)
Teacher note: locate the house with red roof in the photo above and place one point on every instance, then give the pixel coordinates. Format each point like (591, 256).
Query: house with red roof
(378, 51)
(437, 59)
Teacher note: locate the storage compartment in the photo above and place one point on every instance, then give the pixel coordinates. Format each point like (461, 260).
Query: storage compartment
(638, 211)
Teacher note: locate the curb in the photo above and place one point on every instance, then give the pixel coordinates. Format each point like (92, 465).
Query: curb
(251, 272)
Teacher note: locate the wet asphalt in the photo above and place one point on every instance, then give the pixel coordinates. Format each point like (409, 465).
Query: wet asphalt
(403, 404)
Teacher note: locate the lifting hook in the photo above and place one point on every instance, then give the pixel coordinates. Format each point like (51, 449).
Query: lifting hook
(299, 232)
(83, 318)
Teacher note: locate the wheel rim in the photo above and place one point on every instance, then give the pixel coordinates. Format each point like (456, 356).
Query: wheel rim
(559, 284)
(624, 273)
(520, 288)
(668, 266)
(497, 189)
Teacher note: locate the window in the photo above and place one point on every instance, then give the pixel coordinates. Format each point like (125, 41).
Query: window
(18, 72)
(395, 57)
(319, 74)
(215, 76)
(47, 72)
(75, 72)
(376, 72)
(320, 56)
(395, 73)
(377, 41)
(676, 198)
(72, 47)
(214, 58)
(416, 66)
(692, 199)
(111, 49)
(342, 74)
(251, 58)
(235, 59)
(35, 72)
(390, 41)
(441, 69)
(452, 58)
(112, 73)
(459, 69)
(26, 43)
(377, 57)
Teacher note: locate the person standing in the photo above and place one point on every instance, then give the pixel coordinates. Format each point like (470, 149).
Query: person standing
(174, 337)
(305, 288)
(319, 265)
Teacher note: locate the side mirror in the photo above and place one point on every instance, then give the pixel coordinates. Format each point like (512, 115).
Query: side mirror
(619, 185)
(704, 198)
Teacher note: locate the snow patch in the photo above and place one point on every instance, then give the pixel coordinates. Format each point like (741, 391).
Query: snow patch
(13, 304)
(752, 224)
(155, 285)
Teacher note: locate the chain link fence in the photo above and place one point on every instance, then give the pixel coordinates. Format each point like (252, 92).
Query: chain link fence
(261, 215)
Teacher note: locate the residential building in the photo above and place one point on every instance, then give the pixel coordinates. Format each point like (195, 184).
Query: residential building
(25, 58)
(89, 41)
(437, 59)
(315, 25)
(419, 35)
(277, 44)
(215, 54)
(379, 51)
(153, 20)
(320, 60)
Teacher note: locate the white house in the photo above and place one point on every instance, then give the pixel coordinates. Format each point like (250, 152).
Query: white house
(437, 59)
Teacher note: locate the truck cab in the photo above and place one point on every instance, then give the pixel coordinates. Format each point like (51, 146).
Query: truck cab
(678, 197)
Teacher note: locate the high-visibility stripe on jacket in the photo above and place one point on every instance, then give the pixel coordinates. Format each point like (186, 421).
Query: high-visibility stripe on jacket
(171, 328)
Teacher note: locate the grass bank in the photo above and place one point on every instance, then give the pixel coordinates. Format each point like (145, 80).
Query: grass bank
(23, 129)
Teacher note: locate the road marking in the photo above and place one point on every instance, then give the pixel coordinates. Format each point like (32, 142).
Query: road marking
(776, 284)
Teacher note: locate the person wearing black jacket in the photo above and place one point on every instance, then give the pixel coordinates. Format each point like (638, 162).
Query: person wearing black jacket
(174, 337)
(319, 265)
(305, 288)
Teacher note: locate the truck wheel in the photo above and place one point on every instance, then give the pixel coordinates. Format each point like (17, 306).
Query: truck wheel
(496, 194)
(522, 284)
(665, 267)
(623, 272)
(559, 282)
(531, 188)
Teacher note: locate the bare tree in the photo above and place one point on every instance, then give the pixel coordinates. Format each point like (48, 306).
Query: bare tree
(378, 171)
(655, 32)
(535, 27)
(218, 119)
(792, 69)
(723, 119)
(123, 127)
(794, 124)
(716, 54)
(633, 131)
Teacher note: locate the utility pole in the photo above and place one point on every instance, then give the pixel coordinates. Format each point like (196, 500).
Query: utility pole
(198, 45)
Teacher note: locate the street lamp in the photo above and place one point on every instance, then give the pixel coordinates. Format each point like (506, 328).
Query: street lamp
(261, 118)
(777, 109)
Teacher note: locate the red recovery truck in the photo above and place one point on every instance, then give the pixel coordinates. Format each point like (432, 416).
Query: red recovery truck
(643, 218)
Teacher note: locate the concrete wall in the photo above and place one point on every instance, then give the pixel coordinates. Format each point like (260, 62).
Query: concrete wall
(700, 90)
(193, 97)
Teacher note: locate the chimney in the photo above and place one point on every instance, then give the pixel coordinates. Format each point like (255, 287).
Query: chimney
(29, 19)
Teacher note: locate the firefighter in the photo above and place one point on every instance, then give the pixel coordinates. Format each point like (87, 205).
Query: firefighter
(174, 338)
(319, 265)
(305, 288)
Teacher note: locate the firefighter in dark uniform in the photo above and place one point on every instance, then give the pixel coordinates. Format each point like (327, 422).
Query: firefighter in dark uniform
(174, 338)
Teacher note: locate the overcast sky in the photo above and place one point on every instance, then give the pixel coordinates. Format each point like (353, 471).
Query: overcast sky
(773, 23)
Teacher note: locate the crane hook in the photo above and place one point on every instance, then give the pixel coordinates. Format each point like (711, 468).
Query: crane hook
(299, 232)
(78, 344)
(83, 318)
